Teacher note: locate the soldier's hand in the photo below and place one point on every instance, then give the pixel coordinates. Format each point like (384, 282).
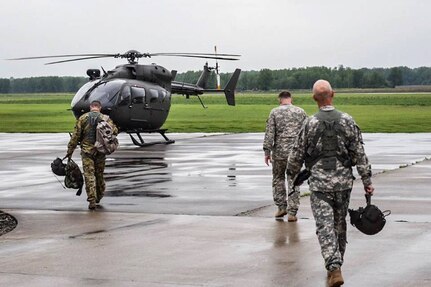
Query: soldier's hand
(267, 159)
(68, 155)
(369, 189)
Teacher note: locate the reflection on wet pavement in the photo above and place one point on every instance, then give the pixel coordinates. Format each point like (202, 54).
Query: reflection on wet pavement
(231, 176)
(136, 176)
(285, 233)
(213, 175)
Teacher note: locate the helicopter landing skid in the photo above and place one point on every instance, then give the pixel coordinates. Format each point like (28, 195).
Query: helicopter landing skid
(142, 143)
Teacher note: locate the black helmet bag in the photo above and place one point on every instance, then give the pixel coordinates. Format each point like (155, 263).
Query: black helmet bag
(369, 220)
(58, 167)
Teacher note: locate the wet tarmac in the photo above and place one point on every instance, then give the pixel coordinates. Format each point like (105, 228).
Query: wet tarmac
(170, 217)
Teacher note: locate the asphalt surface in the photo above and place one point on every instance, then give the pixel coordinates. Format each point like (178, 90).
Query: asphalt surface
(199, 213)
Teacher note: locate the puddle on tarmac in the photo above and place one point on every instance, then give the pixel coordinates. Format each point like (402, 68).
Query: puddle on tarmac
(137, 177)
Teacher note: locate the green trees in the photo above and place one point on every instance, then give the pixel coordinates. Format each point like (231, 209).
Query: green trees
(4, 86)
(340, 77)
(265, 79)
(42, 85)
(374, 79)
(395, 77)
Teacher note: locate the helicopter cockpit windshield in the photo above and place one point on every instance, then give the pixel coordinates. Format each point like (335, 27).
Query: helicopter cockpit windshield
(81, 92)
(104, 92)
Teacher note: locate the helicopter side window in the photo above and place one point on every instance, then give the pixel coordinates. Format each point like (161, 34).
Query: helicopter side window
(138, 95)
(162, 96)
(154, 95)
(125, 96)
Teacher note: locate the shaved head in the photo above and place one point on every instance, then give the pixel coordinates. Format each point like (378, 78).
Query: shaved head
(322, 88)
(322, 92)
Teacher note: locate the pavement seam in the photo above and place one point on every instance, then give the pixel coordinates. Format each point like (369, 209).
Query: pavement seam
(143, 223)
(406, 165)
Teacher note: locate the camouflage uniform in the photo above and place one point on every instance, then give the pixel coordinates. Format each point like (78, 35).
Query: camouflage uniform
(330, 189)
(282, 127)
(93, 161)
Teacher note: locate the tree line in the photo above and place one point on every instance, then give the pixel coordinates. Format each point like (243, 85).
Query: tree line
(263, 80)
(304, 78)
(42, 85)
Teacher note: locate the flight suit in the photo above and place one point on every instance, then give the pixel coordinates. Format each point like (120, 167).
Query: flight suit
(93, 162)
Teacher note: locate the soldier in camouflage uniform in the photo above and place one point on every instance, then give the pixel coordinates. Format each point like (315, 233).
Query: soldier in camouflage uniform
(93, 161)
(282, 127)
(330, 143)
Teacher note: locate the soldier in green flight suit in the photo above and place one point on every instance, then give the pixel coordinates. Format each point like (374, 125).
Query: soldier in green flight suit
(330, 143)
(93, 161)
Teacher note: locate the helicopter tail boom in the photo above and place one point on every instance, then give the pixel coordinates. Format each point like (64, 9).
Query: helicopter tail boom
(229, 89)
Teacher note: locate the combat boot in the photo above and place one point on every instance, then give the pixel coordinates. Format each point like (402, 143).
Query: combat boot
(281, 212)
(292, 218)
(92, 205)
(335, 278)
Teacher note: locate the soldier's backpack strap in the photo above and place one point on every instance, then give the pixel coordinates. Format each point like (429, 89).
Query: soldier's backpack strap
(327, 130)
(93, 119)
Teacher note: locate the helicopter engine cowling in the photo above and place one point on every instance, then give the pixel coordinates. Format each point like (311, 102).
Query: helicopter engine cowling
(153, 73)
(149, 73)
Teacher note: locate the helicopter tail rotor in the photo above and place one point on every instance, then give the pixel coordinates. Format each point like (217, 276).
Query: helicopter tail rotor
(217, 70)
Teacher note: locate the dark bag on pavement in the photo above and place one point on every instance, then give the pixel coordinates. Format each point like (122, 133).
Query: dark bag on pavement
(369, 220)
(58, 167)
(74, 178)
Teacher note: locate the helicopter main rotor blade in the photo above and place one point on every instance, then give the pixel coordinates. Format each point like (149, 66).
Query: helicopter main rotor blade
(197, 54)
(131, 56)
(63, 56)
(201, 57)
(78, 59)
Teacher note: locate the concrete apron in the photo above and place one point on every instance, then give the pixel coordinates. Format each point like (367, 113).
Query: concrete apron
(129, 246)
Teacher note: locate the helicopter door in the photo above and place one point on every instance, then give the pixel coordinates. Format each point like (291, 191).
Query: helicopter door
(138, 107)
(121, 111)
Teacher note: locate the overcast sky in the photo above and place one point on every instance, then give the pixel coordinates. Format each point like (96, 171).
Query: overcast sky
(271, 34)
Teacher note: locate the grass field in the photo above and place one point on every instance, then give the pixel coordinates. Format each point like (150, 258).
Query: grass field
(373, 112)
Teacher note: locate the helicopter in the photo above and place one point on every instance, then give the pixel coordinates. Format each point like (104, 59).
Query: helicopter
(138, 97)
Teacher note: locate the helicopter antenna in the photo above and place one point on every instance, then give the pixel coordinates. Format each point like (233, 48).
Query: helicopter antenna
(217, 70)
(104, 72)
